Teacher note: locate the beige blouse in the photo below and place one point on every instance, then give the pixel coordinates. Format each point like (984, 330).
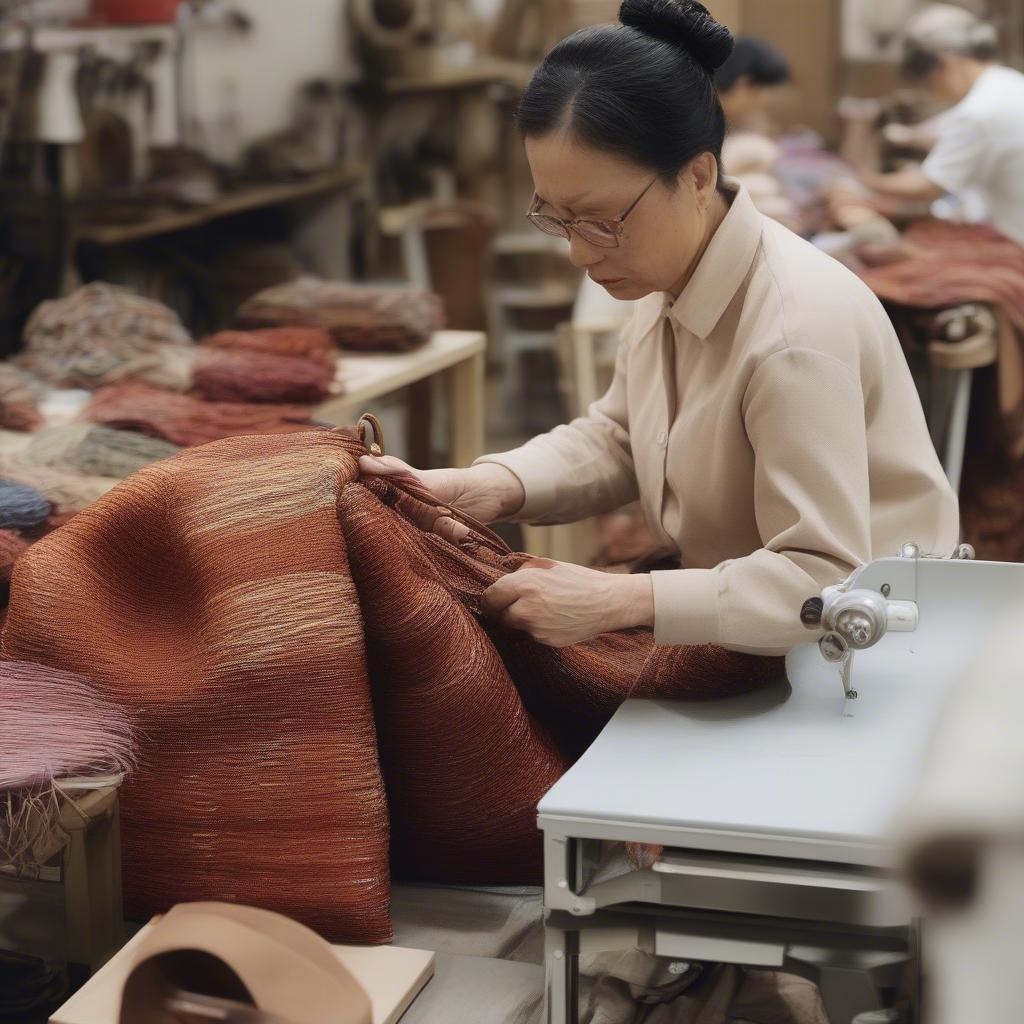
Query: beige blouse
(769, 425)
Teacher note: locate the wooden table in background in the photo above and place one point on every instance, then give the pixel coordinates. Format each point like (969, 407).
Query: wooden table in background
(457, 354)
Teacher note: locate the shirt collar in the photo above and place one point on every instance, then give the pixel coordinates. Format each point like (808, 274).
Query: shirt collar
(721, 271)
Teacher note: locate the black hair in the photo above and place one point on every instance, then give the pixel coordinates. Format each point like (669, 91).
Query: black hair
(755, 59)
(642, 89)
(916, 62)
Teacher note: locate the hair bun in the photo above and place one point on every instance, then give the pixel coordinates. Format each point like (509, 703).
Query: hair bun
(684, 23)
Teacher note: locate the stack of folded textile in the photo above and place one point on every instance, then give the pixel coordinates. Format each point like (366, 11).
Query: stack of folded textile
(358, 317)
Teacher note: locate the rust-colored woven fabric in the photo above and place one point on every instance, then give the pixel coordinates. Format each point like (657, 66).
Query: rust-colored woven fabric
(306, 665)
(952, 264)
(963, 263)
(185, 420)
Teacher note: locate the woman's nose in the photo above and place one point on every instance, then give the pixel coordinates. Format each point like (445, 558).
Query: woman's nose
(583, 254)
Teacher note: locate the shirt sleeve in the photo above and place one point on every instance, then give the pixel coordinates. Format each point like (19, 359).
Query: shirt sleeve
(955, 159)
(804, 416)
(580, 469)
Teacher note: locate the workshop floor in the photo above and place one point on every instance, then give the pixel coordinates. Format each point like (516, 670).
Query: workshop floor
(489, 944)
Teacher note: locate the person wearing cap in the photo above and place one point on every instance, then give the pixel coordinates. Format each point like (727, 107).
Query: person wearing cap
(978, 153)
(761, 409)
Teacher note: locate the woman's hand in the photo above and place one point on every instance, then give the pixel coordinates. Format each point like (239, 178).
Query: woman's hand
(486, 492)
(560, 604)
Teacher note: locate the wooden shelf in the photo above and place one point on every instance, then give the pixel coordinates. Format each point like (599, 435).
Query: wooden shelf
(238, 201)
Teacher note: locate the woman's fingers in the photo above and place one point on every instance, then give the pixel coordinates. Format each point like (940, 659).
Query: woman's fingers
(451, 529)
(498, 596)
(387, 465)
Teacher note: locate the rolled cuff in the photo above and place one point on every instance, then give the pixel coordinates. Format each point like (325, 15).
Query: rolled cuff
(538, 484)
(686, 606)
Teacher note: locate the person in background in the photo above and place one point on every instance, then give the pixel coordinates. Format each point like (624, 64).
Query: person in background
(744, 80)
(749, 153)
(978, 154)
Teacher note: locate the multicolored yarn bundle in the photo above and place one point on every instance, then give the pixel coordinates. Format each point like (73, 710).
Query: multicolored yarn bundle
(95, 451)
(188, 421)
(358, 317)
(21, 507)
(65, 492)
(302, 342)
(53, 725)
(20, 394)
(101, 334)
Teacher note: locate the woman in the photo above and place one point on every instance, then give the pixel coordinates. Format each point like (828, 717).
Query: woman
(978, 151)
(761, 409)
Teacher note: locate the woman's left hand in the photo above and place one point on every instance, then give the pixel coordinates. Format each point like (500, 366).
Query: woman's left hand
(560, 604)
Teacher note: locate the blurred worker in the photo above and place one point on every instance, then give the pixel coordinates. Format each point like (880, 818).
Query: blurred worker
(978, 154)
(744, 80)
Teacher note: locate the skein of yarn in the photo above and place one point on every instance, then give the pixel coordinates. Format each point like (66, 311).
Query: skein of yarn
(65, 492)
(101, 334)
(307, 342)
(11, 546)
(21, 506)
(20, 394)
(96, 451)
(358, 317)
(225, 375)
(189, 421)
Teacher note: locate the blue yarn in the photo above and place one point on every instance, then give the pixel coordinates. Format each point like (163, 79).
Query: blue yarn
(21, 507)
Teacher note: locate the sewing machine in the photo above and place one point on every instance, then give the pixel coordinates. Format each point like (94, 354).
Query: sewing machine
(775, 808)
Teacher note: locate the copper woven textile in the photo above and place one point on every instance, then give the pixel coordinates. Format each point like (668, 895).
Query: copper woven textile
(305, 664)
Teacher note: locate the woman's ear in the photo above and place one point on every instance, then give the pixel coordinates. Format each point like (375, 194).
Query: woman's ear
(703, 174)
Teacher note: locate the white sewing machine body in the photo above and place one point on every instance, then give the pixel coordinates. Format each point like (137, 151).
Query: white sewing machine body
(775, 808)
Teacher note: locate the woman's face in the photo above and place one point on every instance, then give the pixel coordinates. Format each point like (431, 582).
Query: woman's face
(664, 233)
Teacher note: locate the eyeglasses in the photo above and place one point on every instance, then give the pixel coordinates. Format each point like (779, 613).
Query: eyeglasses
(603, 233)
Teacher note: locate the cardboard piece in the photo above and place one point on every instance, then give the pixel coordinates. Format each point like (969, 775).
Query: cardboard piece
(392, 977)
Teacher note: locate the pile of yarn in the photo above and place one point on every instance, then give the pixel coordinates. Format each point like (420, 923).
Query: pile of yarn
(244, 375)
(187, 421)
(95, 451)
(100, 334)
(22, 507)
(358, 317)
(144, 389)
(65, 491)
(20, 395)
(104, 335)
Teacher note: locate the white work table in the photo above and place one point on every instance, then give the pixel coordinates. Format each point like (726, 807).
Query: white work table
(776, 809)
(793, 770)
(459, 355)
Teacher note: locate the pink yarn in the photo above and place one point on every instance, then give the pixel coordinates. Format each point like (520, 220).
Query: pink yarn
(53, 725)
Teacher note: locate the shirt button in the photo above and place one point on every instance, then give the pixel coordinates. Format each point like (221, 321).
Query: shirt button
(661, 439)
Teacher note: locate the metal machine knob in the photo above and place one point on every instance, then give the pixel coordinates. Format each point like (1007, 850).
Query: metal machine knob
(810, 613)
(833, 647)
